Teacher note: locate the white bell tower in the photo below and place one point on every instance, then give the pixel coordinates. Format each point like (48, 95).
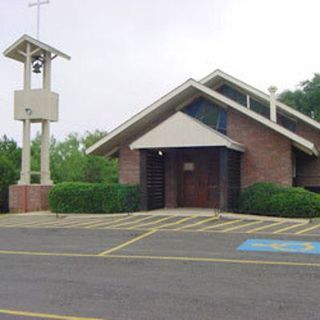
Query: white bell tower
(35, 105)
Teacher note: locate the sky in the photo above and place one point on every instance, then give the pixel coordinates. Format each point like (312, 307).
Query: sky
(128, 53)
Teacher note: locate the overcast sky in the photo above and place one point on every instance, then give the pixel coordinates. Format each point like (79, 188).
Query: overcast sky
(128, 53)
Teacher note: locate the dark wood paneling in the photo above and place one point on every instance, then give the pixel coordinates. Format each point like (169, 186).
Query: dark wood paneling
(199, 186)
(234, 179)
(152, 180)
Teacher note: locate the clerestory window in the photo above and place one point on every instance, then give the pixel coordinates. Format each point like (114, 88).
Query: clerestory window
(209, 113)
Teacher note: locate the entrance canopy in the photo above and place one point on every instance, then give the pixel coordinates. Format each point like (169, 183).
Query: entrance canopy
(183, 131)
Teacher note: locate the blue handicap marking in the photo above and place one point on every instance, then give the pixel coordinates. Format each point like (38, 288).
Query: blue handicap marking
(268, 245)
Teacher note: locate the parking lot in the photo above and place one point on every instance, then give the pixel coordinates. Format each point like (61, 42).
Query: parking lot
(157, 267)
(176, 223)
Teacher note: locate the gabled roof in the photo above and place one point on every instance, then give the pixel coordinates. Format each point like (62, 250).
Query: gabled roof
(182, 131)
(169, 104)
(14, 50)
(218, 75)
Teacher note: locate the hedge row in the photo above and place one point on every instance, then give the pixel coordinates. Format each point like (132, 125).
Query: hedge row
(276, 200)
(78, 197)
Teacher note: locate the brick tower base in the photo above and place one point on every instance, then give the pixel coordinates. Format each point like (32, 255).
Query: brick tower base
(28, 198)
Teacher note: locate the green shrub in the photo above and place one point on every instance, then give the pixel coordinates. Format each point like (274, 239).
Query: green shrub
(79, 197)
(7, 177)
(276, 200)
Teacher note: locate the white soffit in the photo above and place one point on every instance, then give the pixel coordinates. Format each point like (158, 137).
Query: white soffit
(183, 131)
(15, 51)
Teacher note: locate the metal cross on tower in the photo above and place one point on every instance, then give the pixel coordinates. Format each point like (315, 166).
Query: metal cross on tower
(38, 4)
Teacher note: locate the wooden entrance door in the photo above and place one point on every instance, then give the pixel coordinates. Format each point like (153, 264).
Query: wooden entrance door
(199, 182)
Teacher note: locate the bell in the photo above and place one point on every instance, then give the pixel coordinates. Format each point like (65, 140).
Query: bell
(37, 67)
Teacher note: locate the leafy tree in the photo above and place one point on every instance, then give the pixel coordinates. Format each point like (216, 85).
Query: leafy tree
(306, 98)
(10, 159)
(69, 162)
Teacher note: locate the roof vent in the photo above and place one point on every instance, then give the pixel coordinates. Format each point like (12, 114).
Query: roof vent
(273, 107)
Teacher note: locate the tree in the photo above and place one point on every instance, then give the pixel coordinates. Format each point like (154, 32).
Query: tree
(10, 159)
(306, 98)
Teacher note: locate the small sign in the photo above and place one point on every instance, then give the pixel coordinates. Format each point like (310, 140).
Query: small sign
(188, 166)
(268, 245)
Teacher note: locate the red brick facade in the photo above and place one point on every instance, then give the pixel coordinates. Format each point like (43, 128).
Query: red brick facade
(268, 155)
(129, 166)
(28, 198)
(308, 168)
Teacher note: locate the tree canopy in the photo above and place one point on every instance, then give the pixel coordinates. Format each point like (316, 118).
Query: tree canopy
(68, 162)
(306, 98)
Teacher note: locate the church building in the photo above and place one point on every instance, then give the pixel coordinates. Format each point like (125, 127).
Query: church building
(205, 141)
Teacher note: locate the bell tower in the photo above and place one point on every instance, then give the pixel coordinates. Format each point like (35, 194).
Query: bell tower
(34, 106)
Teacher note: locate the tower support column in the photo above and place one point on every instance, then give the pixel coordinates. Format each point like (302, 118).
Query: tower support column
(45, 153)
(25, 165)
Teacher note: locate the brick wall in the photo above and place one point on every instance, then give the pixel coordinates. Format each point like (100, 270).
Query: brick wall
(129, 166)
(268, 155)
(28, 198)
(308, 168)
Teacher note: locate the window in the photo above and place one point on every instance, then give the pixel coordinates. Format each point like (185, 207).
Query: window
(286, 122)
(209, 113)
(260, 108)
(233, 94)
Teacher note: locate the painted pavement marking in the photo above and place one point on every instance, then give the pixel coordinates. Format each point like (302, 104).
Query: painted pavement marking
(167, 258)
(152, 223)
(176, 222)
(275, 224)
(268, 245)
(220, 225)
(107, 223)
(191, 225)
(242, 226)
(307, 229)
(130, 222)
(127, 243)
(289, 227)
(42, 315)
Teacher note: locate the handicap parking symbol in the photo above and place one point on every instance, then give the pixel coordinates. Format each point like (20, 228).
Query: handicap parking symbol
(268, 245)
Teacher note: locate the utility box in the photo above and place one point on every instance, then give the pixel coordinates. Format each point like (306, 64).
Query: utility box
(36, 105)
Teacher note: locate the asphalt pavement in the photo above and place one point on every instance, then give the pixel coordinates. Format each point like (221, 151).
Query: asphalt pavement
(153, 274)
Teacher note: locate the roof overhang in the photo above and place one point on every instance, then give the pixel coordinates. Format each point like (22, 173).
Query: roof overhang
(144, 120)
(218, 76)
(183, 131)
(175, 100)
(16, 50)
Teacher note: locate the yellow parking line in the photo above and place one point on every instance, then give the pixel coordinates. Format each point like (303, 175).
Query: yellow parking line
(308, 229)
(219, 225)
(42, 315)
(219, 260)
(107, 223)
(82, 224)
(131, 222)
(151, 223)
(9, 223)
(36, 224)
(144, 235)
(288, 228)
(196, 223)
(242, 226)
(176, 222)
(266, 227)
(168, 258)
